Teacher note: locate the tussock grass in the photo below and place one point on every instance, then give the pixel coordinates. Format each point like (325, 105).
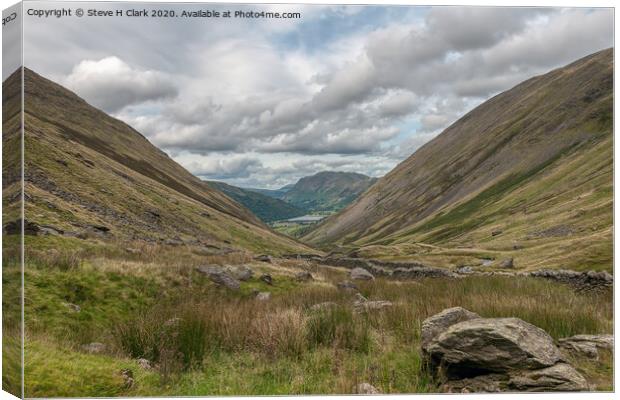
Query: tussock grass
(206, 340)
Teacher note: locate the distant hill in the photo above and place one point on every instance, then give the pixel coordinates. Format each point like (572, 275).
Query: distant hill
(268, 209)
(527, 175)
(88, 172)
(327, 191)
(273, 193)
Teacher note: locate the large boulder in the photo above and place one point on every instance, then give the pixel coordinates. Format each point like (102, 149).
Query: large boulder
(360, 274)
(560, 377)
(488, 345)
(438, 323)
(219, 276)
(240, 272)
(587, 345)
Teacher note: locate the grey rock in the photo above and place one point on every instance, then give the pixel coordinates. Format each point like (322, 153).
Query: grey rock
(73, 307)
(94, 348)
(219, 276)
(267, 279)
(303, 276)
(144, 363)
(560, 377)
(127, 375)
(366, 388)
(490, 383)
(438, 323)
(346, 285)
(507, 263)
(492, 345)
(587, 345)
(372, 305)
(327, 305)
(264, 258)
(364, 305)
(263, 296)
(240, 272)
(465, 270)
(360, 274)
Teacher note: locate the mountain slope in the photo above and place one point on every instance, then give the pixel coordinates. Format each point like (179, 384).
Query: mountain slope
(86, 171)
(266, 208)
(327, 191)
(527, 174)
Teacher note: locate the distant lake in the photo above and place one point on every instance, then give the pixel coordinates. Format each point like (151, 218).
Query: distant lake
(307, 218)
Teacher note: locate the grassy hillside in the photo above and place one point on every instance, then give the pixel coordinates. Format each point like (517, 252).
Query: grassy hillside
(92, 176)
(266, 208)
(327, 191)
(527, 174)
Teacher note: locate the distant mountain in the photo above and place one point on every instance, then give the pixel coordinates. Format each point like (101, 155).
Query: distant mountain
(268, 209)
(88, 172)
(527, 174)
(327, 191)
(273, 193)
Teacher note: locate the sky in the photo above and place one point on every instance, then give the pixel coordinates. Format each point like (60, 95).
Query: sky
(264, 102)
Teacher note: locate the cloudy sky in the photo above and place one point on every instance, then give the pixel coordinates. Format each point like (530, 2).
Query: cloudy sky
(261, 103)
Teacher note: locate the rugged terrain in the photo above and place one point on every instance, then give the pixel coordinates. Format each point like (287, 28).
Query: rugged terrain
(88, 174)
(526, 176)
(141, 280)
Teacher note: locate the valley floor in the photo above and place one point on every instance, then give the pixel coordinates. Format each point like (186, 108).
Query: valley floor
(93, 312)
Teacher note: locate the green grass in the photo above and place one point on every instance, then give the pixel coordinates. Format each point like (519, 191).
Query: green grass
(228, 343)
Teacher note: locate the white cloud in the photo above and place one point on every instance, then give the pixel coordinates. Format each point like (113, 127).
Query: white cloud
(112, 84)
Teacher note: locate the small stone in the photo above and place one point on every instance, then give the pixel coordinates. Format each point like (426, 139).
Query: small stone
(144, 363)
(264, 258)
(507, 263)
(323, 306)
(127, 375)
(497, 232)
(94, 348)
(366, 388)
(73, 307)
(263, 296)
(267, 279)
(346, 285)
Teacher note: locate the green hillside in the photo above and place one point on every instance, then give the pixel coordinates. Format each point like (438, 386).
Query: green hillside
(267, 208)
(526, 175)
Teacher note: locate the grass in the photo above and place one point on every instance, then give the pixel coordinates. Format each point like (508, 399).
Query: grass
(206, 340)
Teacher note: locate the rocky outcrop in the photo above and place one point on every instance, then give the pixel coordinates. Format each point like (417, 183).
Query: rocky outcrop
(494, 354)
(581, 281)
(240, 272)
(587, 345)
(361, 304)
(492, 345)
(438, 323)
(360, 274)
(560, 377)
(219, 276)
